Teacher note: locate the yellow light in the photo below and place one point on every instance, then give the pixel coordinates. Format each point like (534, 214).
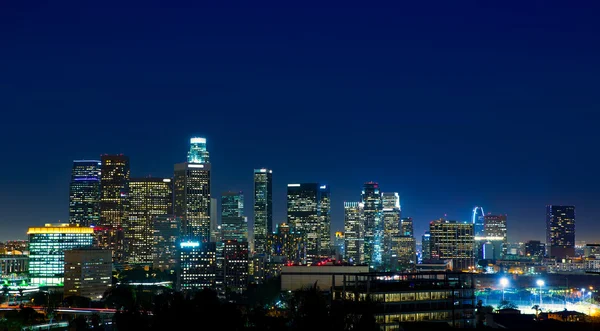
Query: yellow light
(60, 229)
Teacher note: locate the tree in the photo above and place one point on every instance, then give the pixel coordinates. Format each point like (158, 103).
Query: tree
(538, 310)
(505, 304)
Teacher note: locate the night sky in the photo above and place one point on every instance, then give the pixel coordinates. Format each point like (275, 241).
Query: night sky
(449, 103)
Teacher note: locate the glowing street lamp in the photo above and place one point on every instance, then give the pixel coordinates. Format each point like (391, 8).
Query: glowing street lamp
(540, 283)
(504, 283)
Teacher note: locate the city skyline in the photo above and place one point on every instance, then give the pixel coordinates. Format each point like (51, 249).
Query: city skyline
(452, 106)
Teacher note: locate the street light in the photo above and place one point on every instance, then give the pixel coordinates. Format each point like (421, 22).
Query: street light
(504, 283)
(540, 283)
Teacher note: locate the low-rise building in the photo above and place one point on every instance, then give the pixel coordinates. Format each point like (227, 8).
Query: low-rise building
(297, 277)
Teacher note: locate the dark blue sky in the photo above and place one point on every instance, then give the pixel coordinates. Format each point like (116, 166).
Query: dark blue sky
(452, 104)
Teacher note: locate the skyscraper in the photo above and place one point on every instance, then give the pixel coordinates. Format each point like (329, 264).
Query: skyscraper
(560, 231)
(148, 198)
(478, 221)
(114, 204)
(198, 265)
(452, 240)
(308, 208)
(354, 233)
(84, 193)
(235, 266)
(495, 234)
(373, 218)
(391, 228)
(286, 242)
(192, 192)
(263, 209)
(234, 226)
(167, 231)
(426, 246)
(406, 244)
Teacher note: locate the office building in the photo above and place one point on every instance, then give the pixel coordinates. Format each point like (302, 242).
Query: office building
(452, 240)
(88, 272)
(84, 193)
(198, 265)
(47, 246)
(235, 266)
(308, 208)
(426, 246)
(535, 249)
(215, 226)
(263, 209)
(234, 225)
(391, 228)
(495, 236)
(373, 220)
(560, 231)
(192, 192)
(148, 198)
(354, 233)
(405, 245)
(13, 264)
(286, 242)
(114, 201)
(167, 231)
(339, 245)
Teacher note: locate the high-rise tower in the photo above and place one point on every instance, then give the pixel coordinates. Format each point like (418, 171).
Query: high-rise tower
(148, 198)
(373, 218)
(234, 226)
(263, 209)
(84, 193)
(192, 192)
(308, 211)
(391, 227)
(114, 204)
(354, 232)
(560, 231)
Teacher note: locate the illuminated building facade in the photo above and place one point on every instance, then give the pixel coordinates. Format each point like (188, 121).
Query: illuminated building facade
(391, 228)
(47, 246)
(148, 199)
(88, 272)
(84, 193)
(560, 231)
(339, 245)
(478, 220)
(235, 266)
(167, 231)
(535, 249)
(198, 267)
(354, 232)
(13, 264)
(234, 226)
(308, 211)
(114, 201)
(263, 209)
(373, 219)
(192, 192)
(286, 242)
(495, 236)
(452, 240)
(426, 246)
(406, 245)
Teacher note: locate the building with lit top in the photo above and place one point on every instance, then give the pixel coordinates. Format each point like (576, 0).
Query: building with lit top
(496, 238)
(373, 220)
(391, 228)
(47, 246)
(339, 245)
(560, 231)
(148, 198)
(426, 246)
(88, 272)
(167, 231)
(308, 210)
(198, 265)
(84, 193)
(234, 225)
(263, 209)
(354, 233)
(452, 240)
(114, 201)
(192, 192)
(235, 266)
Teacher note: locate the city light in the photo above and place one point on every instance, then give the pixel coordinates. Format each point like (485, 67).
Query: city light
(504, 283)
(540, 283)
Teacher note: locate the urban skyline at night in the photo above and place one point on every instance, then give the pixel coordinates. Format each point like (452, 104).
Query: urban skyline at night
(451, 106)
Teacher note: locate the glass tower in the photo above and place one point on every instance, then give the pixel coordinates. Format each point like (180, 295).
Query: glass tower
(391, 227)
(560, 231)
(263, 209)
(198, 152)
(308, 211)
(373, 218)
(84, 193)
(354, 233)
(47, 246)
(193, 195)
(148, 199)
(234, 226)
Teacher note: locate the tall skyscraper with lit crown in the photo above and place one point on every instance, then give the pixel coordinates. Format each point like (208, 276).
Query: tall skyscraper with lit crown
(192, 191)
(263, 209)
(391, 227)
(84, 193)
